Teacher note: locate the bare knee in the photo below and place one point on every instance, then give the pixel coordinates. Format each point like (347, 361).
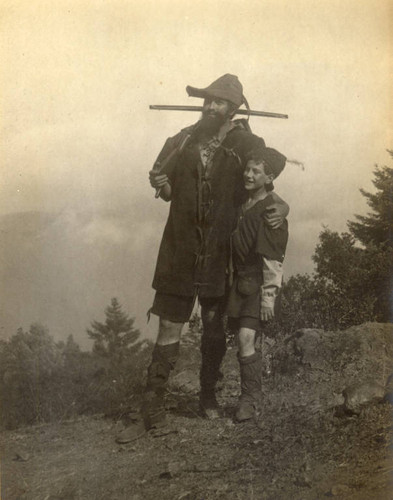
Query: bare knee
(246, 341)
(168, 332)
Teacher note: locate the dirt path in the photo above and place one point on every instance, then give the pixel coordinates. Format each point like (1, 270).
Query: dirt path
(199, 459)
(296, 450)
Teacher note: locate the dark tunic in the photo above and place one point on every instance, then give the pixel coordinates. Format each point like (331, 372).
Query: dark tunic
(252, 241)
(194, 251)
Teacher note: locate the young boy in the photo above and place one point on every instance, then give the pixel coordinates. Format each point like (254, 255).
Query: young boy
(258, 253)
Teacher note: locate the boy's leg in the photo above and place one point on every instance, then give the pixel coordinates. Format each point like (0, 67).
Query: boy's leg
(246, 342)
(250, 375)
(213, 348)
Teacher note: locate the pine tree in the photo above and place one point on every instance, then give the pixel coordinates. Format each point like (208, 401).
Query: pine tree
(113, 339)
(360, 264)
(29, 366)
(376, 227)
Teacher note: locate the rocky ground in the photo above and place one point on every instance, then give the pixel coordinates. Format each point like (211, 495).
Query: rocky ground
(310, 441)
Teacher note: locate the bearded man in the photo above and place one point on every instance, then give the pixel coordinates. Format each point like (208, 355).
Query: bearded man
(203, 183)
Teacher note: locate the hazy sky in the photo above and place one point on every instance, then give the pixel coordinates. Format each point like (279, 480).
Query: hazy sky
(77, 135)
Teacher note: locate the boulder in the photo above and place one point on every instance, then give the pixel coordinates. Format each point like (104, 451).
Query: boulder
(350, 367)
(351, 355)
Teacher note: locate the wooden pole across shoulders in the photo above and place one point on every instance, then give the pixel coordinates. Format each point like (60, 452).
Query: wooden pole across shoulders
(163, 107)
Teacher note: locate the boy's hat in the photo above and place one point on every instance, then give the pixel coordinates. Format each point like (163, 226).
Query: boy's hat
(226, 87)
(275, 160)
(271, 157)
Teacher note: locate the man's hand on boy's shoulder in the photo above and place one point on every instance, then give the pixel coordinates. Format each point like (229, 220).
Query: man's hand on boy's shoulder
(274, 218)
(276, 212)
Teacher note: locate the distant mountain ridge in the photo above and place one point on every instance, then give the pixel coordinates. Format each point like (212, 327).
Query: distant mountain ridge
(61, 269)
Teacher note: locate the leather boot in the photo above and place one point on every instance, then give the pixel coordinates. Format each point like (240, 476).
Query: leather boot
(163, 362)
(251, 386)
(213, 351)
(153, 407)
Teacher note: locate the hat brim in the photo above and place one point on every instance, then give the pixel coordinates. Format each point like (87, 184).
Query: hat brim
(194, 92)
(213, 92)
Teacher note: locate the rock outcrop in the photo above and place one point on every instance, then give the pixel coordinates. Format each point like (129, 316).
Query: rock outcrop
(351, 367)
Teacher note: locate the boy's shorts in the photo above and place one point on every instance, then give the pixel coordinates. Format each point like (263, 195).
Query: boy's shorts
(250, 322)
(178, 309)
(244, 322)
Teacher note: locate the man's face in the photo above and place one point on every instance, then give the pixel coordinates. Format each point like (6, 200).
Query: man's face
(214, 114)
(215, 106)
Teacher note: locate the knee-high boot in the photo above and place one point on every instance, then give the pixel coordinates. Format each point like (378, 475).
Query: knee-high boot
(251, 386)
(153, 408)
(163, 362)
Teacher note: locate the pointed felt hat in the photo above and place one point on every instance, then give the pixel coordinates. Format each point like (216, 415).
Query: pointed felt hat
(226, 87)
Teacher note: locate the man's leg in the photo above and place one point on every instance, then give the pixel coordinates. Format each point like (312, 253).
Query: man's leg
(165, 354)
(213, 348)
(173, 312)
(164, 357)
(250, 376)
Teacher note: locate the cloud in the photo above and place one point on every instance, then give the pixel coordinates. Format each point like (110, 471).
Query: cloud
(78, 138)
(105, 230)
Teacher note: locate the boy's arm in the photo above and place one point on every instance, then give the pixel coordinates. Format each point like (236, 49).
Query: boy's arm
(272, 280)
(276, 211)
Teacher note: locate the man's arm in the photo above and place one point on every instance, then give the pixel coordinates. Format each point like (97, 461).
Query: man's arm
(162, 172)
(276, 211)
(161, 182)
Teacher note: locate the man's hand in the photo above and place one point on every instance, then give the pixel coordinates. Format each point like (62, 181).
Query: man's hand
(274, 217)
(157, 181)
(161, 184)
(276, 212)
(267, 313)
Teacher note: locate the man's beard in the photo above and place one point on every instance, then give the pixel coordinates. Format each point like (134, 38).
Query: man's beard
(211, 123)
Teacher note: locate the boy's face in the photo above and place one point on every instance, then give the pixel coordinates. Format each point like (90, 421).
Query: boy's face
(255, 177)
